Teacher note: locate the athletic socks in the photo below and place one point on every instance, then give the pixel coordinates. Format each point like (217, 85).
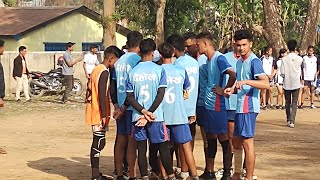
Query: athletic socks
(212, 148)
(227, 156)
(166, 162)
(142, 158)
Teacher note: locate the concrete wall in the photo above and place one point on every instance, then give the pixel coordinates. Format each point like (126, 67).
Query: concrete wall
(75, 28)
(38, 61)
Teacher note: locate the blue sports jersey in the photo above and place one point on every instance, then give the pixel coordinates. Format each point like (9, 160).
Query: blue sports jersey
(122, 67)
(248, 99)
(231, 102)
(216, 68)
(203, 80)
(144, 81)
(192, 67)
(173, 105)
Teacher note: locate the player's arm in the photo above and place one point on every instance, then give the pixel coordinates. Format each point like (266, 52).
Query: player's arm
(186, 86)
(113, 89)
(70, 62)
(225, 68)
(274, 68)
(260, 79)
(102, 89)
(84, 65)
(302, 72)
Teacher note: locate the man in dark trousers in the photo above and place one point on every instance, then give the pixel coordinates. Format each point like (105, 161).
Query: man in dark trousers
(67, 70)
(2, 86)
(21, 74)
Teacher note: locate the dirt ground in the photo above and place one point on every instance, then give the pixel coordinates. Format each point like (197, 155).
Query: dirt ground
(47, 140)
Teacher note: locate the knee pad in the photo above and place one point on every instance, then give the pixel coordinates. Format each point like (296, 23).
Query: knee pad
(99, 141)
(212, 148)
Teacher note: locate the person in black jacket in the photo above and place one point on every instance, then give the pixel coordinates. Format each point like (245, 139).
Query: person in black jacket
(21, 74)
(2, 83)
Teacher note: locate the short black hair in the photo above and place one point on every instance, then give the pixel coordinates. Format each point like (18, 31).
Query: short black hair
(282, 50)
(243, 34)
(206, 35)
(266, 49)
(166, 50)
(189, 35)
(147, 45)
(310, 47)
(93, 46)
(292, 45)
(1, 43)
(70, 44)
(133, 39)
(21, 48)
(113, 50)
(177, 41)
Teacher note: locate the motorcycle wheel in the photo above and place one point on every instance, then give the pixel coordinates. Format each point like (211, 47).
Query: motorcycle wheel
(77, 88)
(35, 91)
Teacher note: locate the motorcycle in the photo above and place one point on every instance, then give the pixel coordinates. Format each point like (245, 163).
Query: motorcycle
(52, 81)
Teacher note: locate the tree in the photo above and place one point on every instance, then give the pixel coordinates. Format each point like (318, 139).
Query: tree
(161, 5)
(310, 28)
(272, 27)
(109, 25)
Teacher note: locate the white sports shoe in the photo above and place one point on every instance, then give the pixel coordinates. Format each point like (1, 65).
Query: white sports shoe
(291, 125)
(313, 106)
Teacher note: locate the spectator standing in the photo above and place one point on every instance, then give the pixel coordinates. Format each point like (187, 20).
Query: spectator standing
(90, 61)
(279, 79)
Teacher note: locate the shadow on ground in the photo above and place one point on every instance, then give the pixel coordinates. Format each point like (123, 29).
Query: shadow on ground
(75, 168)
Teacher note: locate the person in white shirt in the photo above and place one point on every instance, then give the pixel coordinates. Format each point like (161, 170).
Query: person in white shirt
(90, 61)
(268, 67)
(279, 79)
(310, 75)
(292, 73)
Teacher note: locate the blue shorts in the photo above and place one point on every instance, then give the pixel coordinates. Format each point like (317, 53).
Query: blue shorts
(231, 115)
(201, 115)
(217, 122)
(156, 132)
(245, 125)
(124, 124)
(180, 134)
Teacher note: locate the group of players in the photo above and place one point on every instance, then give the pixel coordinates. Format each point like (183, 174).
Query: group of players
(161, 102)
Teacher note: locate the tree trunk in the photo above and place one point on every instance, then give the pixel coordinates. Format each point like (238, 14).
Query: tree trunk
(309, 33)
(109, 32)
(205, 18)
(272, 28)
(161, 5)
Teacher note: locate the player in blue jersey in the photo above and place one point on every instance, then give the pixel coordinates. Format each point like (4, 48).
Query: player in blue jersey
(146, 85)
(250, 79)
(175, 115)
(192, 68)
(217, 119)
(192, 49)
(122, 113)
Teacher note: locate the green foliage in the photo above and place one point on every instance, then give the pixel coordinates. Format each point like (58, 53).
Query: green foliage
(10, 3)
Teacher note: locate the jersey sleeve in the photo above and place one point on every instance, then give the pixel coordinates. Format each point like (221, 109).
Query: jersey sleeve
(129, 85)
(186, 84)
(163, 79)
(256, 68)
(223, 64)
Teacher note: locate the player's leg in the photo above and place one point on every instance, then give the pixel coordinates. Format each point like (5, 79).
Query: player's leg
(312, 96)
(132, 154)
(249, 156)
(294, 94)
(238, 157)
(304, 92)
(153, 159)
(97, 146)
(270, 92)
(279, 97)
(166, 162)
(193, 133)
(263, 97)
(227, 155)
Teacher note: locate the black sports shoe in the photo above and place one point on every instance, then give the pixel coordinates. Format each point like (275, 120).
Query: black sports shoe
(208, 175)
(300, 107)
(226, 177)
(121, 178)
